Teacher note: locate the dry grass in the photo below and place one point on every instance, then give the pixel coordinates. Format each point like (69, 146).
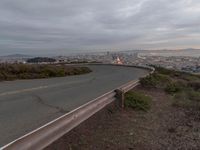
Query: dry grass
(27, 71)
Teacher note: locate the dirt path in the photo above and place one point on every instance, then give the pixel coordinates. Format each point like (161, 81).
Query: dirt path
(163, 127)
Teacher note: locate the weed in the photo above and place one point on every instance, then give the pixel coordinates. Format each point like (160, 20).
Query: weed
(137, 100)
(173, 87)
(27, 71)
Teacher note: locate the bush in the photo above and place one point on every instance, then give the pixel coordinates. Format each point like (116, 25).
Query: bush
(177, 74)
(25, 71)
(2, 77)
(173, 87)
(41, 60)
(194, 95)
(155, 80)
(184, 87)
(189, 77)
(194, 85)
(137, 100)
(164, 71)
(148, 81)
(187, 99)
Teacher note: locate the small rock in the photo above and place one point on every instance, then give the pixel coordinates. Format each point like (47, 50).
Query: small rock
(131, 133)
(172, 130)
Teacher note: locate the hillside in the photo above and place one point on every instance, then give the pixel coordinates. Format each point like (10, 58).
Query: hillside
(41, 60)
(164, 114)
(26, 71)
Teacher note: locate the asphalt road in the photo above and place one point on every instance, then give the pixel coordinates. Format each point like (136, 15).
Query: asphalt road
(28, 104)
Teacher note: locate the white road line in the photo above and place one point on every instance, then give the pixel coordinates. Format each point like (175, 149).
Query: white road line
(40, 87)
(23, 90)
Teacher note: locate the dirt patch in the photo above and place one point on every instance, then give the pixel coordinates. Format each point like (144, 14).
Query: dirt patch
(162, 127)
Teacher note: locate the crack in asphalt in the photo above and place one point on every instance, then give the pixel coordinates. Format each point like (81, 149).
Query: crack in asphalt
(41, 101)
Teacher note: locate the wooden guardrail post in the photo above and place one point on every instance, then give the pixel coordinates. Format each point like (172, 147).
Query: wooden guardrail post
(120, 97)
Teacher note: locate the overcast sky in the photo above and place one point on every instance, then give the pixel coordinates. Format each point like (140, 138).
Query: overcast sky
(61, 26)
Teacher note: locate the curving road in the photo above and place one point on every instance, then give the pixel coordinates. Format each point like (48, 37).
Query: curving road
(27, 104)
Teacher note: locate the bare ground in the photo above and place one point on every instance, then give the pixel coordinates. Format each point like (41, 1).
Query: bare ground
(164, 127)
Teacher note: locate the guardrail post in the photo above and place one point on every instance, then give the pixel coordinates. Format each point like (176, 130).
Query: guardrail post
(121, 98)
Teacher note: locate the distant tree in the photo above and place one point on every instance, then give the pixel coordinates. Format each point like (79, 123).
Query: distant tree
(41, 60)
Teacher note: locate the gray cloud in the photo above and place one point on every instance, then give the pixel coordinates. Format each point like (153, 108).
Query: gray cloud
(50, 26)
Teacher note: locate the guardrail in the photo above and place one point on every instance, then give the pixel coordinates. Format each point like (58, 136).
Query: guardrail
(47, 134)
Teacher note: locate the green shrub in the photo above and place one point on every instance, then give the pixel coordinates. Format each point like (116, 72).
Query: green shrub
(148, 81)
(173, 87)
(155, 80)
(61, 72)
(177, 74)
(194, 85)
(137, 100)
(27, 71)
(183, 103)
(184, 87)
(184, 100)
(164, 71)
(189, 77)
(194, 95)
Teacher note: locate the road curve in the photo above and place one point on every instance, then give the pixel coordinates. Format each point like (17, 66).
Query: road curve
(28, 104)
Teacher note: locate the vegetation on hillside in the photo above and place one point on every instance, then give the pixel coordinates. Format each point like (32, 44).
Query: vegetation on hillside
(137, 101)
(183, 87)
(41, 60)
(27, 71)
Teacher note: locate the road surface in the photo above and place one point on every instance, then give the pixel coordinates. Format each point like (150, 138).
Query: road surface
(28, 104)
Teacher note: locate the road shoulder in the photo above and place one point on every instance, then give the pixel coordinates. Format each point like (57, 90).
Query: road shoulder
(163, 127)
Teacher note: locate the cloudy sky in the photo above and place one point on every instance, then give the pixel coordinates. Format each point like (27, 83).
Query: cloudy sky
(61, 26)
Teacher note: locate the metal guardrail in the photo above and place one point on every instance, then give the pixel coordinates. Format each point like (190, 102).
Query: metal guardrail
(47, 134)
